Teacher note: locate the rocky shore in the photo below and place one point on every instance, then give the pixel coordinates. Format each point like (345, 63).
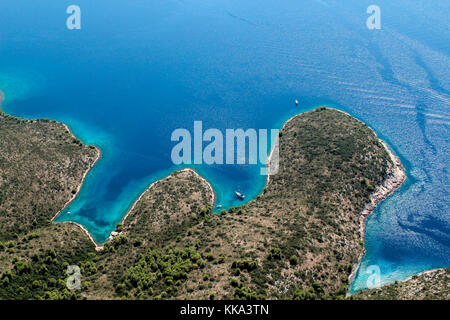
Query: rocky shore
(397, 176)
(206, 182)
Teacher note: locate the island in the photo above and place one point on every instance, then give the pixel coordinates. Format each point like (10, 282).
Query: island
(301, 238)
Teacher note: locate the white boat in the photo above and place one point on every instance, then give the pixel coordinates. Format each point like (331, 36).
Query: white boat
(296, 102)
(240, 195)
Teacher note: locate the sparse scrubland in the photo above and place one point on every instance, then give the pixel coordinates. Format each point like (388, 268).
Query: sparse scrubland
(41, 168)
(299, 239)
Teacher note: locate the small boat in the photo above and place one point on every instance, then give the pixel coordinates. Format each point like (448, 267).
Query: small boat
(296, 102)
(68, 212)
(240, 195)
(219, 206)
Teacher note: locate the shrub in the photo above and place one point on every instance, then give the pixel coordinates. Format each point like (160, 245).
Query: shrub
(275, 254)
(234, 283)
(244, 264)
(293, 260)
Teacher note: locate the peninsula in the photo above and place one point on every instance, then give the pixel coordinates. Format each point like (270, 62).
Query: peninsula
(300, 239)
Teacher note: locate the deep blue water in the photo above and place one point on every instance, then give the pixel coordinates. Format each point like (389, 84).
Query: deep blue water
(139, 69)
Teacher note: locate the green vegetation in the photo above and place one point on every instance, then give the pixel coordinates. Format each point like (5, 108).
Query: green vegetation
(297, 240)
(150, 258)
(40, 170)
(43, 276)
(158, 274)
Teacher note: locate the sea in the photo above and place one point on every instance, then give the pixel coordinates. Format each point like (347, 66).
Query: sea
(137, 70)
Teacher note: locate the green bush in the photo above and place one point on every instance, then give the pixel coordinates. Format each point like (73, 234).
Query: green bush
(244, 264)
(293, 260)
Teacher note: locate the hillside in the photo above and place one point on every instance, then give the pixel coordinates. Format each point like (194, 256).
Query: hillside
(300, 239)
(41, 168)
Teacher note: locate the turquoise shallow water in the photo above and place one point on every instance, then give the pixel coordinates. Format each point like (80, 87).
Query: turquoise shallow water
(138, 70)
